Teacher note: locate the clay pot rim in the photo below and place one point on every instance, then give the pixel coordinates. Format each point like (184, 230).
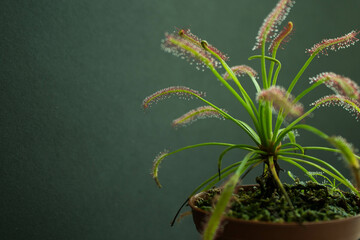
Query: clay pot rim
(191, 203)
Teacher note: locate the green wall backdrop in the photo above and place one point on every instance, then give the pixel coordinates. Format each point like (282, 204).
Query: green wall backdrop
(76, 147)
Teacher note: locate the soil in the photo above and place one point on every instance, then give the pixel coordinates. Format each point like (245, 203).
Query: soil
(312, 202)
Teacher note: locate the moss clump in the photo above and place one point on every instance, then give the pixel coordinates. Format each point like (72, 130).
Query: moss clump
(312, 202)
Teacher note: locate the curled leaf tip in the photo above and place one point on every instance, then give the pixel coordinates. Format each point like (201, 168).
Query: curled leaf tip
(181, 32)
(282, 37)
(204, 44)
(189, 50)
(155, 169)
(188, 36)
(272, 21)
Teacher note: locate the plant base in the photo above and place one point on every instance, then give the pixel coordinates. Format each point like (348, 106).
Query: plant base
(237, 229)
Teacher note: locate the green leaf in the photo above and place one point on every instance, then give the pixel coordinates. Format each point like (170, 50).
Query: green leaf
(223, 201)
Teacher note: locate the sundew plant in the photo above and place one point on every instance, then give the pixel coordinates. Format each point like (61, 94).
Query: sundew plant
(276, 115)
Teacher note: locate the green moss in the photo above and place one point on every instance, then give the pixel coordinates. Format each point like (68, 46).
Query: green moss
(312, 202)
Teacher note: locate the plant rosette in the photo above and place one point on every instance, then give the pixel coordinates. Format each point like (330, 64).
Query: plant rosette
(276, 118)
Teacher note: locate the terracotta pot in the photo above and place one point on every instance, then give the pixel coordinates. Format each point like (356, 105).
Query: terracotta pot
(237, 229)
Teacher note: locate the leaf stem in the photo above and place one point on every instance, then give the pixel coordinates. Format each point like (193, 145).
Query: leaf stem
(277, 179)
(240, 146)
(158, 161)
(316, 160)
(298, 75)
(245, 105)
(300, 167)
(309, 89)
(263, 65)
(291, 126)
(244, 126)
(248, 100)
(337, 177)
(223, 201)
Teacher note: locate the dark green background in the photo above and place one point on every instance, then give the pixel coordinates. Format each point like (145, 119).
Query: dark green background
(76, 147)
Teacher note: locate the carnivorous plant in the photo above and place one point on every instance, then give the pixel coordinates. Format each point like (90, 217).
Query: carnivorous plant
(276, 115)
